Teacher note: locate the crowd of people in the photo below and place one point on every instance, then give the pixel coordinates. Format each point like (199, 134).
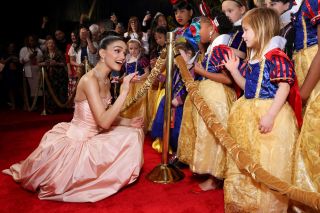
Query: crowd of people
(257, 69)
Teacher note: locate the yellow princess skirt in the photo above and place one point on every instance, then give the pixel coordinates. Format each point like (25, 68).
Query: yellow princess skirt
(274, 151)
(197, 146)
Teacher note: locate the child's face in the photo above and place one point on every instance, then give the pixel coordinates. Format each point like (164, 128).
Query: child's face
(134, 25)
(183, 16)
(232, 10)
(278, 6)
(162, 22)
(205, 29)
(134, 49)
(160, 39)
(248, 35)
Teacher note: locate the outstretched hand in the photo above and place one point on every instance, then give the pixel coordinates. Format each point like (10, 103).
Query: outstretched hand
(231, 62)
(137, 122)
(126, 82)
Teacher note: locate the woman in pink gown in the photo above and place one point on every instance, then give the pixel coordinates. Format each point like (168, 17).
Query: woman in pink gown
(98, 152)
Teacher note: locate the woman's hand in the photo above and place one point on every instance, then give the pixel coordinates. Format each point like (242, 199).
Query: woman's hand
(266, 124)
(137, 122)
(136, 78)
(126, 82)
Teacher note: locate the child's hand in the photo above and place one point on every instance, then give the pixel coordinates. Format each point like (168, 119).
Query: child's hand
(153, 62)
(137, 122)
(231, 62)
(136, 78)
(175, 102)
(266, 124)
(198, 68)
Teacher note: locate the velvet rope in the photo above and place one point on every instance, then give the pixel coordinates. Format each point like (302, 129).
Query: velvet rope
(26, 96)
(240, 156)
(149, 81)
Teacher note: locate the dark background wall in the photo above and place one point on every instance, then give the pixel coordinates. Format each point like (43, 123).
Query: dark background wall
(18, 18)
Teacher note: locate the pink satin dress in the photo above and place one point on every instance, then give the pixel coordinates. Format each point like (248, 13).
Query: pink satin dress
(77, 162)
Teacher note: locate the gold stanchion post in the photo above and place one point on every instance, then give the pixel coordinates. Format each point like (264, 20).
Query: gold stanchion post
(164, 172)
(43, 92)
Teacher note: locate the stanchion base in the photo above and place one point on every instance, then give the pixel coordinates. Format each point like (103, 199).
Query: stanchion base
(44, 112)
(165, 173)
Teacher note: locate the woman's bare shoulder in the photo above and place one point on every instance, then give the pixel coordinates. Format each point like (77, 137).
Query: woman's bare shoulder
(86, 85)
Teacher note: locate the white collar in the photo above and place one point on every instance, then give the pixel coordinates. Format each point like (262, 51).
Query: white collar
(275, 42)
(237, 23)
(296, 7)
(221, 39)
(285, 18)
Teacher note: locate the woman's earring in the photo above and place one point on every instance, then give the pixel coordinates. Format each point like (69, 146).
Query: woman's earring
(210, 34)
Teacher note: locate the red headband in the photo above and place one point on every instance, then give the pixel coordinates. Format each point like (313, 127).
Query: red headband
(205, 11)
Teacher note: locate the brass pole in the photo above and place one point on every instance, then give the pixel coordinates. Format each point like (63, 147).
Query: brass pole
(164, 172)
(43, 92)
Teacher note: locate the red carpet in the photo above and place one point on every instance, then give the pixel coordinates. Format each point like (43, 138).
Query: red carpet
(20, 133)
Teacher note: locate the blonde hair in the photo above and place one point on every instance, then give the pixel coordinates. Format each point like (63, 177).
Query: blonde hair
(265, 24)
(134, 40)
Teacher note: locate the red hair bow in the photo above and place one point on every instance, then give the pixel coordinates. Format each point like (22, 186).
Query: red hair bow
(173, 2)
(204, 9)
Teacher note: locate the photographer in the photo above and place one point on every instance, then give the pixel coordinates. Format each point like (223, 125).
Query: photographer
(30, 55)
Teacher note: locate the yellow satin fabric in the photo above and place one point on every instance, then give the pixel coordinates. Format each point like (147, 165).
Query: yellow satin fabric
(307, 168)
(302, 61)
(274, 151)
(307, 163)
(197, 146)
(139, 108)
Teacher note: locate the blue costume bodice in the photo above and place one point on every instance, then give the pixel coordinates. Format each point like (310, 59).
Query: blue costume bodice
(305, 23)
(136, 66)
(215, 55)
(262, 77)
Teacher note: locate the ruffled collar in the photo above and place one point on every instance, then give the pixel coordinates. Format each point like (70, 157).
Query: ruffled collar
(275, 42)
(285, 18)
(237, 23)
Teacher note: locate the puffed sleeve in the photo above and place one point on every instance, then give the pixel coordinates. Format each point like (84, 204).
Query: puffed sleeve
(313, 11)
(244, 67)
(144, 62)
(282, 70)
(217, 58)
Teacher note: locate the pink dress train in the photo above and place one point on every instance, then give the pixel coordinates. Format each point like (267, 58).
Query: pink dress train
(76, 162)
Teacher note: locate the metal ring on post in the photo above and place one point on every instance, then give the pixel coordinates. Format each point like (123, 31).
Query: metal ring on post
(164, 172)
(43, 92)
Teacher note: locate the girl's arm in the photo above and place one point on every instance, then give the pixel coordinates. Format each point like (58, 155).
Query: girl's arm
(313, 75)
(232, 64)
(217, 77)
(266, 121)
